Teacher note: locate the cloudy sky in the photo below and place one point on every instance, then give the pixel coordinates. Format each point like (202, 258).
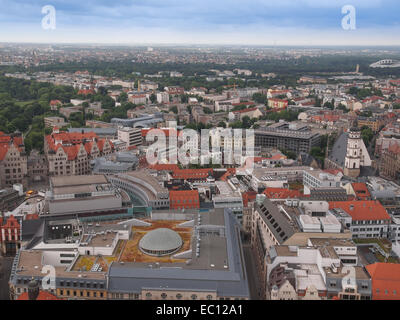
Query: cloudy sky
(264, 22)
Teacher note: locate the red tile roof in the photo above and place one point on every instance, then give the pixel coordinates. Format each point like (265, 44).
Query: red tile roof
(277, 100)
(186, 174)
(394, 148)
(281, 193)
(361, 190)
(55, 102)
(11, 222)
(164, 167)
(6, 141)
(385, 280)
(373, 98)
(43, 295)
(362, 210)
(229, 172)
(248, 197)
(71, 142)
(86, 92)
(184, 199)
(245, 110)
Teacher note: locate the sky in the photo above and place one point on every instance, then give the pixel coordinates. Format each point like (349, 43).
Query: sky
(214, 22)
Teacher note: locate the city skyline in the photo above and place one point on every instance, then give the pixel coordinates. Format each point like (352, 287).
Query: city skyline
(256, 22)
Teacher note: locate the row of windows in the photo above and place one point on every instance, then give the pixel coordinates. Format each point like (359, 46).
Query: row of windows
(82, 294)
(178, 296)
(81, 284)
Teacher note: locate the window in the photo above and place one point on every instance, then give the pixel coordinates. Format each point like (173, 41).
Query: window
(209, 297)
(179, 296)
(164, 296)
(194, 296)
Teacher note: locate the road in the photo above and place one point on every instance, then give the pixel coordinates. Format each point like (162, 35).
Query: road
(5, 268)
(251, 272)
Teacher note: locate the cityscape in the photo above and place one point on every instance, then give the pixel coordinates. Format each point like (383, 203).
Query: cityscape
(199, 171)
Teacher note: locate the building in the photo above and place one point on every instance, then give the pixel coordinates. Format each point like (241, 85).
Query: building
(34, 293)
(38, 167)
(137, 98)
(50, 122)
(290, 224)
(317, 179)
(287, 139)
(13, 160)
(385, 280)
(101, 132)
(98, 124)
(193, 256)
(131, 136)
(315, 272)
(262, 178)
(390, 162)
(240, 114)
(144, 187)
(374, 124)
(163, 97)
(117, 163)
(71, 153)
(184, 199)
(311, 79)
(349, 153)
(10, 235)
(359, 190)
(10, 199)
(365, 219)
(277, 103)
(212, 269)
(80, 194)
(228, 196)
(352, 161)
(67, 111)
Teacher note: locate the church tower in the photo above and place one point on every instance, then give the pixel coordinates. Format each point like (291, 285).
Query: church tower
(353, 155)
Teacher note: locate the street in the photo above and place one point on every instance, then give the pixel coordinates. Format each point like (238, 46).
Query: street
(251, 272)
(5, 268)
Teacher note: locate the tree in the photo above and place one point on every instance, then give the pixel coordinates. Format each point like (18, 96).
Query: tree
(123, 97)
(367, 135)
(221, 124)
(207, 110)
(290, 154)
(153, 98)
(260, 98)
(184, 98)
